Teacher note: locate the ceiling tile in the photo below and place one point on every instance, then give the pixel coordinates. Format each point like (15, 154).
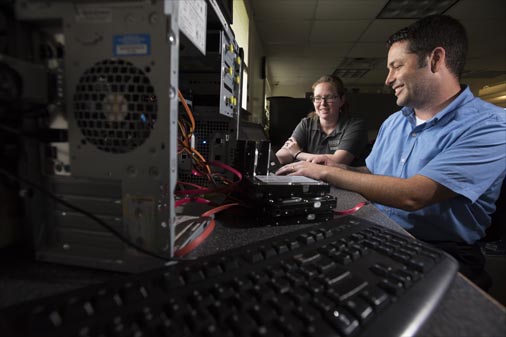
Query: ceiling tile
(348, 9)
(274, 10)
(284, 50)
(371, 49)
(316, 52)
(483, 9)
(337, 31)
(323, 51)
(381, 29)
(285, 32)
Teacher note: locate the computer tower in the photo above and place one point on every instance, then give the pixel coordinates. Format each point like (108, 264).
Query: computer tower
(120, 81)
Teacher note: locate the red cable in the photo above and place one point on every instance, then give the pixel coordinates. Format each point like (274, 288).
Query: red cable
(183, 201)
(197, 241)
(207, 231)
(212, 190)
(352, 210)
(228, 168)
(189, 184)
(218, 209)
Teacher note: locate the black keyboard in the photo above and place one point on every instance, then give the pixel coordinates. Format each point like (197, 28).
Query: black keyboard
(347, 277)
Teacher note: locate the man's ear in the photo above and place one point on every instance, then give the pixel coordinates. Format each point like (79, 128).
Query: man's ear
(437, 59)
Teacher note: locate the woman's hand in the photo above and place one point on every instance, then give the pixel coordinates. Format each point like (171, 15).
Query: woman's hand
(291, 146)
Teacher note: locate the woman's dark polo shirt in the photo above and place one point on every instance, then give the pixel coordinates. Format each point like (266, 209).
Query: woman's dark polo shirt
(350, 134)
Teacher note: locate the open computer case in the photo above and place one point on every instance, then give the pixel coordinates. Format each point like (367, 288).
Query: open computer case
(115, 84)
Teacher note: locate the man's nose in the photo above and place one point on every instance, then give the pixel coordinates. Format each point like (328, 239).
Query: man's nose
(389, 80)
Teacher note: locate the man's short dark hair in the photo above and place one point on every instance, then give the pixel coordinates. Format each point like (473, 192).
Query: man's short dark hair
(436, 31)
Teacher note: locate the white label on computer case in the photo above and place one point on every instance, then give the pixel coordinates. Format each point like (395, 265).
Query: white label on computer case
(193, 22)
(131, 45)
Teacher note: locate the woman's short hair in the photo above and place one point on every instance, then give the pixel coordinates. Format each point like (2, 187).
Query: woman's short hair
(338, 85)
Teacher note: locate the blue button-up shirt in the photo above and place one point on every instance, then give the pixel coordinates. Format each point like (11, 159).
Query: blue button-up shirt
(463, 148)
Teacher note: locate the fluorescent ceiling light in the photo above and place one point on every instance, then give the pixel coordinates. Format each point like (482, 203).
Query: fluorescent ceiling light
(414, 9)
(355, 67)
(350, 73)
(483, 73)
(495, 94)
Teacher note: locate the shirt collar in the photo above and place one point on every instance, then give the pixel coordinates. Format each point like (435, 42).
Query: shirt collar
(339, 127)
(448, 112)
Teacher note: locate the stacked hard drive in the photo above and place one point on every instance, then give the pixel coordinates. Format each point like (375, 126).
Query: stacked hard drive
(286, 200)
(279, 200)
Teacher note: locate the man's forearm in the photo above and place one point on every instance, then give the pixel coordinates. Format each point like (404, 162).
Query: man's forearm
(407, 194)
(360, 169)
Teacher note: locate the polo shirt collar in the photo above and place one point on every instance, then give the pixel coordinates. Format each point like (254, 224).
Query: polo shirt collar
(315, 125)
(447, 113)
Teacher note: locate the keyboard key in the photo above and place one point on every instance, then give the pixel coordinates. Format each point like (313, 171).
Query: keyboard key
(375, 296)
(348, 287)
(342, 320)
(421, 263)
(393, 287)
(359, 307)
(336, 274)
(381, 269)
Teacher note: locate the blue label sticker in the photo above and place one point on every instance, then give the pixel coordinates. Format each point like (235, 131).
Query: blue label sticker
(131, 45)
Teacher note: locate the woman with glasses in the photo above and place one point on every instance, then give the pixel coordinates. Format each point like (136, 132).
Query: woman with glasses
(328, 133)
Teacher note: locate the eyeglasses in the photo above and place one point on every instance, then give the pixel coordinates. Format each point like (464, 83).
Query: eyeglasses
(328, 99)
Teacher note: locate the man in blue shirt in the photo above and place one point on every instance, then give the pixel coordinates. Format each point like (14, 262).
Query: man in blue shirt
(437, 165)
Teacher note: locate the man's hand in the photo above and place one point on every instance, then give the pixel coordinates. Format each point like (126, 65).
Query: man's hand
(302, 168)
(322, 159)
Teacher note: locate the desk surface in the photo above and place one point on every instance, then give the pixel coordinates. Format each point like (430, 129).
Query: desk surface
(464, 311)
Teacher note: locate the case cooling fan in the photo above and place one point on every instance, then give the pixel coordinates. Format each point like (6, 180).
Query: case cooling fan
(115, 106)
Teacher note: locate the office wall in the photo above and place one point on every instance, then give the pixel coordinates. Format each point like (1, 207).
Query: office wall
(373, 109)
(291, 90)
(285, 113)
(256, 91)
(256, 80)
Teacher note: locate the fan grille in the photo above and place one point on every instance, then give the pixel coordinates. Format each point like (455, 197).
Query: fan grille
(115, 106)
